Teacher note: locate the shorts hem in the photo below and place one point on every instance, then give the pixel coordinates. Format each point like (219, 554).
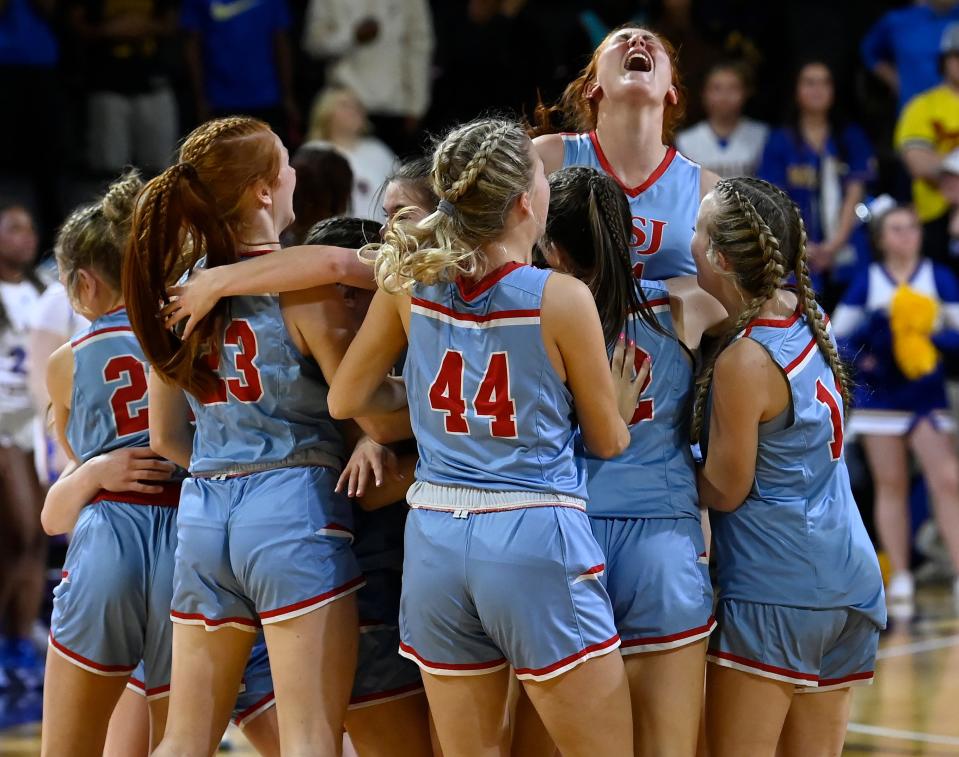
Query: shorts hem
(834, 684)
(382, 697)
(671, 641)
(138, 687)
(454, 668)
(568, 663)
(214, 624)
(252, 712)
(305, 606)
(108, 671)
(745, 665)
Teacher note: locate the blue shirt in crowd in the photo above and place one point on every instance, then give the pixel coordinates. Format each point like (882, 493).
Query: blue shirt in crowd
(26, 38)
(817, 183)
(909, 39)
(239, 59)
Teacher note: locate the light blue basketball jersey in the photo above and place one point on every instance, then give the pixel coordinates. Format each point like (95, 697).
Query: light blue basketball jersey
(108, 409)
(663, 208)
(271, 400)
(488, 409)
(655, 476)
(798, 539)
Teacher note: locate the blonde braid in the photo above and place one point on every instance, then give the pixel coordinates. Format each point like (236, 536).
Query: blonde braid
(815, 318)
(472, 170)
(771, 276)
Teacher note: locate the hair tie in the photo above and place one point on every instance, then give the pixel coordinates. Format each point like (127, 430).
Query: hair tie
(445, 206)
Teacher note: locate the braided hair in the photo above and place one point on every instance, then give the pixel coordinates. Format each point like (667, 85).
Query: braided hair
(760, 231)
(195, 208)
(478, 171)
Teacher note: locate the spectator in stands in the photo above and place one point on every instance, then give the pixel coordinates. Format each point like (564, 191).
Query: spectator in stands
(726, 142)
(927, 131)
(240, 61)
(949, 186)
(381, 49)
(324, 186)
(900, 48)
(131, 109)
(824, 164)
(30, 155)
(338, 117)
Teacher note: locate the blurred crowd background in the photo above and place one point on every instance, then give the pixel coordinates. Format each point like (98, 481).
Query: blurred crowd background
(837, 102)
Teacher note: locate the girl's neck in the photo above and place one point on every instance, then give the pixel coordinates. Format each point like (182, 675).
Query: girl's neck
(778, 307)
(632, 140)
(10, 274)
(723, 126)
(345, 140)
(109, 302)
(901, 268)
(814, 126)
(510, 248)
(259, 234)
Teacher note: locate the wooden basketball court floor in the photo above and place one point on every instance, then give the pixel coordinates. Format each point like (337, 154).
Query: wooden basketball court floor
(912, 709)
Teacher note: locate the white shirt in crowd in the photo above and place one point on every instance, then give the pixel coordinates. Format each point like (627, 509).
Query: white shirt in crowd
(390, 74)
(16, 405)
(737, 155)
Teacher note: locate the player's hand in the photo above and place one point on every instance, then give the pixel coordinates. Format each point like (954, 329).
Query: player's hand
(131, 469)
(628, 380)
(368, 458)
(191, 301)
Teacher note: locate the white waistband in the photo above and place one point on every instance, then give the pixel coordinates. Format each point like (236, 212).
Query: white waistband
(427, 496)
(313, 457)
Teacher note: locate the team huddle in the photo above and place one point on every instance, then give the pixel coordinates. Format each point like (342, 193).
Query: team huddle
(658, 388)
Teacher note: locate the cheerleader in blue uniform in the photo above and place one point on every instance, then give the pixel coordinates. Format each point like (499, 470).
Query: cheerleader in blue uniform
(893, 322)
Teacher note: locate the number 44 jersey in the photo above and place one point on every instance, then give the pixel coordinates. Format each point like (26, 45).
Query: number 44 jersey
(487, 407)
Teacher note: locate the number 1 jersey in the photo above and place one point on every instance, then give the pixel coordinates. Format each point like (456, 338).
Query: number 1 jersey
(488, 409)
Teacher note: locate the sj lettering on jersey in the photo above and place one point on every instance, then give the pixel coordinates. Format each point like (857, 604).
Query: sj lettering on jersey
(647, 235)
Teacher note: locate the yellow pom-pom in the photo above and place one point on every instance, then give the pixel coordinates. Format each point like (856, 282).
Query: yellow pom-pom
(915, 354)
(912, 312)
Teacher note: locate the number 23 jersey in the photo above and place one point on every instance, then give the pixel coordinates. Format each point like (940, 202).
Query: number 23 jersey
(487, 407)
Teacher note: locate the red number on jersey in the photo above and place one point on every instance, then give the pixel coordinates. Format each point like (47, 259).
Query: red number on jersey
(644, 408)
(446, 393)
(123, 396)
(492, 398)
(824, 396)
(638, 270)
(249, 388)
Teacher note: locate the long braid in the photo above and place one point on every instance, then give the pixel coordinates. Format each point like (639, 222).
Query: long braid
(764, 283)
(472, 170)
(815, 318)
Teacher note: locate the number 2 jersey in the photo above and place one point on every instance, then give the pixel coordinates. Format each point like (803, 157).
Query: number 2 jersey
(269, 408)
(663, 207)
(655, 476)
(487, 407)
(798, 539)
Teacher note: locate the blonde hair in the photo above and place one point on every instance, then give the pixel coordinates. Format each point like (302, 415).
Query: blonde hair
(94, 235)
(760, 232)
(321, 113)
(479, 170)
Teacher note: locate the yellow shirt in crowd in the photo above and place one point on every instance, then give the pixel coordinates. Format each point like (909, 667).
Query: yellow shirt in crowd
(931, 119)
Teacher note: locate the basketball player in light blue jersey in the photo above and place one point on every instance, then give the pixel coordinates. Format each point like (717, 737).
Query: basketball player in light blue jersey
(263, 540)
(623, 111)
(111, 608)
(643, 505)
(501, 567)
(800, 592)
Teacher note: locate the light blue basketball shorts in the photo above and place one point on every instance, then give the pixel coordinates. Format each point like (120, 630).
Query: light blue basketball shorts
(262, 548)
(112, 607)
(657, 577)
(487, 584)
(816, 650)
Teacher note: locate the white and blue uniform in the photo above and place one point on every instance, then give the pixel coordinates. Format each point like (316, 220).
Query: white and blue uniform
(886, 402)
(16, 406)
(643, 505)
(663, 207)
(500, 497)
(263, 538)
(800, 592)
(111, 608)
